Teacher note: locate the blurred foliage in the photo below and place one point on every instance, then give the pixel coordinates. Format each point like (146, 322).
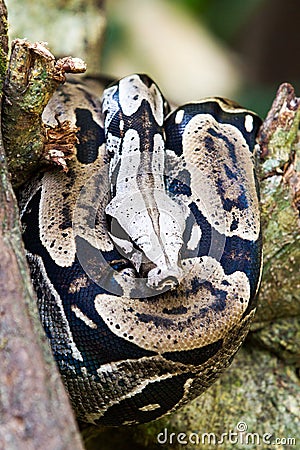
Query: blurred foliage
(235, 21)
(224, 18)
(115, 33)
(262, 34)
(257, 97)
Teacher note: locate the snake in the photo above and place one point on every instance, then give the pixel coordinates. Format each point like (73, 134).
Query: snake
(145, 254)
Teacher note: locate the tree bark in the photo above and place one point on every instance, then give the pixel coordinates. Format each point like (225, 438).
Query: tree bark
(34, 408)
(279, 141)
(33, 76)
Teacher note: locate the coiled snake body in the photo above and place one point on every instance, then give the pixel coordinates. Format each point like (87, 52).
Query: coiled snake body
(146, 254)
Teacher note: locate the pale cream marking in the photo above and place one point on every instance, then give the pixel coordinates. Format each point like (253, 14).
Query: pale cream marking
(64, 102)
(150, 407)
(90, 204)
(158, 163)
(194, 237)
(59, 242)
(249, 123)
(80, 315)
(78, 284)
(113, 143)
(139, 388)
(84, 372)
(126, 184)
(185, 396)
(187, 385)
(179, 116)
(203, 166)
(132, 91)
(114, 367)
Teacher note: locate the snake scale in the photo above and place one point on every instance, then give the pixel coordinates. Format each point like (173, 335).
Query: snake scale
(146, 254)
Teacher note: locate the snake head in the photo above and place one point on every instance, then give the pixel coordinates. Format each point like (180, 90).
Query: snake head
(154, 237)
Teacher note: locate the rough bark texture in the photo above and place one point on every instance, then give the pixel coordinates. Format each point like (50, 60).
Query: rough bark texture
(280, 202)
(33, 76)
(34, 409)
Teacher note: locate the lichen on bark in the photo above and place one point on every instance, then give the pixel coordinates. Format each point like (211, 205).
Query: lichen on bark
(280, 192)
(32, 77)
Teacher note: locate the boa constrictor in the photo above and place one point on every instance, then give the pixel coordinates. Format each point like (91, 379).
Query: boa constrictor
(146, 254)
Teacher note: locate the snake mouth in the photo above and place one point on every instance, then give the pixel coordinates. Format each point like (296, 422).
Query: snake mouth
(171, 282)
(164, 279)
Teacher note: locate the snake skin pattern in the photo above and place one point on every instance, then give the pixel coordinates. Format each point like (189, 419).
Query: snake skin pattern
(146, 254)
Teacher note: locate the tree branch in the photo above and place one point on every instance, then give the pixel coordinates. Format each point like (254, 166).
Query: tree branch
(280, 195)
(34, 408)
(32, 78)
